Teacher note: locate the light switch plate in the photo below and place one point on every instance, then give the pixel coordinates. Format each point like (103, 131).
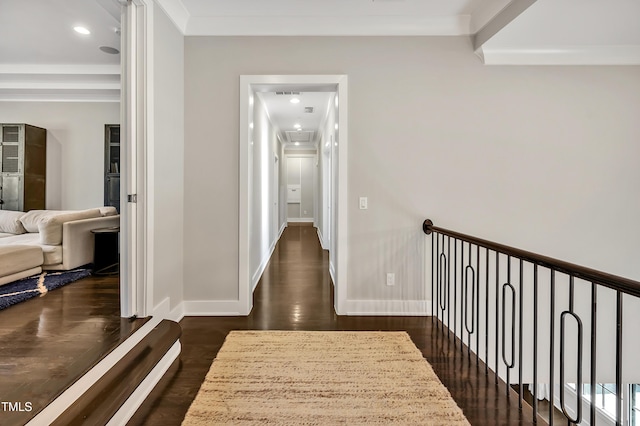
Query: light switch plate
(363, 203)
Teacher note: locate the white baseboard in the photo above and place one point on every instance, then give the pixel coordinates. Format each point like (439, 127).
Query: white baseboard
(263, 265)
(332, 272)
(321, 238)
(300, 220)
(129, 408)
(163, 311)
(212, 308)
(73, 392)
(388, 307)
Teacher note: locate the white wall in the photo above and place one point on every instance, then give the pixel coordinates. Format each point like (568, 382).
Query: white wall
(262, 152)
(167, 225)
(75, 147)
(542, 158)
(326, 187)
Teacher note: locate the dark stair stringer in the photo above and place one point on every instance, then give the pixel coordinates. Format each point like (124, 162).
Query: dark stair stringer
(103, 399)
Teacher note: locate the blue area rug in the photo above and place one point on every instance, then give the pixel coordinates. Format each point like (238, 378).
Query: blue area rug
(37, 285)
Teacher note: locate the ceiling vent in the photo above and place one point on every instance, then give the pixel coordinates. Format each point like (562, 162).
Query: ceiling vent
(308, 109)
(287, 93)
(301, 136)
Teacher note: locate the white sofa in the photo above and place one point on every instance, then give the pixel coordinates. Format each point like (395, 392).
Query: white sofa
(64, 237)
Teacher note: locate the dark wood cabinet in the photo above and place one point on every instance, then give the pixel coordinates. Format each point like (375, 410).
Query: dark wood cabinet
(23, 167)
(112, 165)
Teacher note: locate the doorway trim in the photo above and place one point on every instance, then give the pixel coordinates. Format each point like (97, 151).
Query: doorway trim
(248, 83)
(136, 118)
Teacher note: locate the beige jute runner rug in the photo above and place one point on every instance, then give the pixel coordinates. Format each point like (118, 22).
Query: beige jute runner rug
(322, 378)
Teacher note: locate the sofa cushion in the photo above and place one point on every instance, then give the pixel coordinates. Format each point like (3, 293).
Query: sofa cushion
(33, 218)
(50, 228)
(52, 254)
(10, 222)
(19, 258)
(108, 211)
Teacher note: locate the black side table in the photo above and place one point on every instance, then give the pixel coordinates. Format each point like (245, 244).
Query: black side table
(106, 259)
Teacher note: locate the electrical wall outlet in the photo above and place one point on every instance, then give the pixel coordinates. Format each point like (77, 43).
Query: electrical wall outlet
(391, 278)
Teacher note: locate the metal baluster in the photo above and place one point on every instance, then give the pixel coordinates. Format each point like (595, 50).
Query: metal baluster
(594, 301)
(535, 343)
(442, 294)
(619, 358)
(470, 330)
(477, 291)
(563, 316)
(455, 286)
(552, 346)
(508, 364)
(437, 236)
(463, 289)
(520, 339)
(434, 255)
(497, 311)
(486, 315)
(448, 287)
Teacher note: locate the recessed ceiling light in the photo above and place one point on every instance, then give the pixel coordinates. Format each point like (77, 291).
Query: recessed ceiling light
(295, 101)
(297, 143)
(297, 126)
(82, 30)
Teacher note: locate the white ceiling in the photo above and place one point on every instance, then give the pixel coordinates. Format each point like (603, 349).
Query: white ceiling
(337, 17)
(41, 58)
(41, 31)
(285, 115)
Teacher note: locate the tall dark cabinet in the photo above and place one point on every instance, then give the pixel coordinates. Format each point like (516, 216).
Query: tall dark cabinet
(23, 167)
(112, 165)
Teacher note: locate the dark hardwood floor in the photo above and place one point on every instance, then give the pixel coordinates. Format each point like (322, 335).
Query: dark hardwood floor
(295, 293)
(48, 342)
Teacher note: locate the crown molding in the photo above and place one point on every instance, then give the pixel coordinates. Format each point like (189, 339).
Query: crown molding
(177, 12)
(329, 26)
(561, 55)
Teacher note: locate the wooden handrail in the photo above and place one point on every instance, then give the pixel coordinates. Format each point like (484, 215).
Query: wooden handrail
(614, 282)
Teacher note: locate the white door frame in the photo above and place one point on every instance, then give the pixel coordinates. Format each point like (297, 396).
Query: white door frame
(293, 154)
(247, 84)
(136, 115)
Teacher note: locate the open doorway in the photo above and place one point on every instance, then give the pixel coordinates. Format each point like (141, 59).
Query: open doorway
(327, 209)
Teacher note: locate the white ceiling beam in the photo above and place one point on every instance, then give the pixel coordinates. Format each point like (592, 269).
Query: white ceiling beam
(59, 83)
(60, 69)
(562, 55)
(501, 20)
(59, 96)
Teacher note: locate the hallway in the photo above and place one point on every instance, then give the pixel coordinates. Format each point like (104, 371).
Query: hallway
(295, 293)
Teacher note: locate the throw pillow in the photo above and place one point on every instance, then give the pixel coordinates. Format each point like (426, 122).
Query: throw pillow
(10, 222)
(51, 227)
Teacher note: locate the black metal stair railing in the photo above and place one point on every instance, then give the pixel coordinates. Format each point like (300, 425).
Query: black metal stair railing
(466, 269)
